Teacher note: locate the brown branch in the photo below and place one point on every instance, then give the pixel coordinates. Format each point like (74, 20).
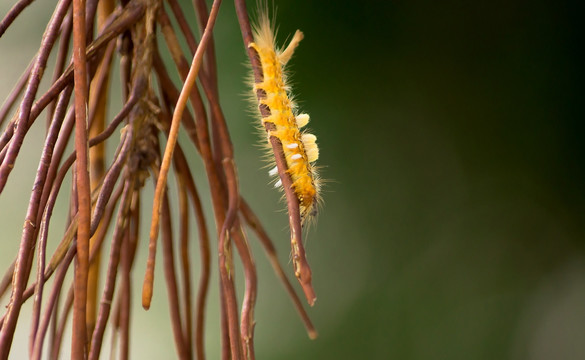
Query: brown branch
(184, 26)
(7, 279)
(98, 97)
(205, 254)
(13, 14)
(57, 340)
(225, 152)
(171, 94)
(62, 52)
(49, 38)
(117, 23)
(226, 267)
(105, 191)
(128, 256)
(247, 323)
(44, 164)
(172, 139)
(110, 282)
(210, 63)
(171, 282)
(37, 346)
(57, 259)
(79, 339)
(254, 223)
(10, 100)
(22, 269)
(137, 154)
(301, 266)
(185, 259)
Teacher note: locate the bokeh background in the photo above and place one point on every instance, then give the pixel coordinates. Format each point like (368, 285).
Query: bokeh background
(451, 138)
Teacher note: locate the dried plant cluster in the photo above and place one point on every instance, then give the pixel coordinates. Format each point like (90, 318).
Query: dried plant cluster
(105, 199)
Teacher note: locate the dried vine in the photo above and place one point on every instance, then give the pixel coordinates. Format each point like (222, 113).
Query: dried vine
(107, 197)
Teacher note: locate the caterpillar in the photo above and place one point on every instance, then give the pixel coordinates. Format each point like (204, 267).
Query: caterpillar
(299, 147)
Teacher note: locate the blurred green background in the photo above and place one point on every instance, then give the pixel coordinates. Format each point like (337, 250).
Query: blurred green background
(451, 139)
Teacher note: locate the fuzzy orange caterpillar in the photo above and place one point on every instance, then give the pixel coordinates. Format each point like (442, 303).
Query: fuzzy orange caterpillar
(300, 148)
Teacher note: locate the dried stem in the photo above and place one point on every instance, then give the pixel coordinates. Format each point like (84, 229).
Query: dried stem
(13, 14)
(78, 346)
(115, 248)
(185, 260)
(100, 189)
(302, 269)
(37, 71)
(99, 91)
(22, 269)
(187, 179)
(166, 161)
(9, 102)
(43, 170)
(171, 281)
(254, 224)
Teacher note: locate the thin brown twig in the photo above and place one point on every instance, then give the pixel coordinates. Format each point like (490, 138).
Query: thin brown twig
(128, 255)
(11, 99)
(46, 159)
(247, 323)
(144, 49)
(36, 68)
(218, 199)
(171, 282)
(37, 346)
(98, 97)
(13, 14)
(57, 341)
(185, 260)
(58, 259)
(184, 26)
(224, 151)
(209, 83)
(102, 198)
(254, 223)
(201, 139)
(171, 94)
(79, 340)
(62, 52)
(117, 23)
(49, 38)
(22, 272)
(172, 139)
(71, 251)
(110, 282)
(301, 266)
(210, 63)
(205, 253)
(7, 279)
(139, 156)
